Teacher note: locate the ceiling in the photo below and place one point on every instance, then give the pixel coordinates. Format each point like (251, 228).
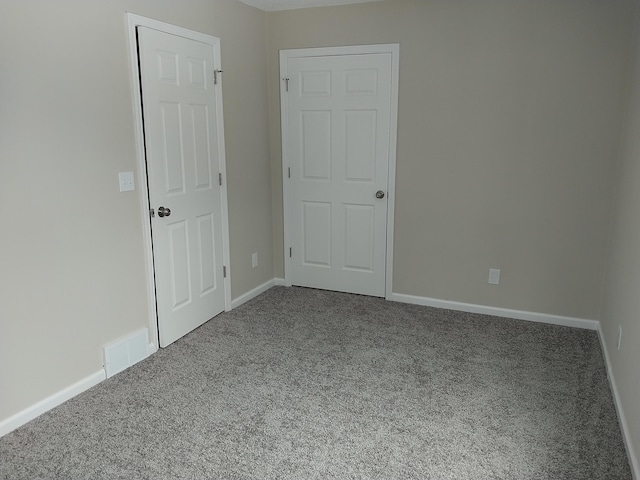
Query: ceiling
(273, 5)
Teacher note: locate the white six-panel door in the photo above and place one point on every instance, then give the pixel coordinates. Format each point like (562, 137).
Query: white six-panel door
(183, 155)
(337, 112)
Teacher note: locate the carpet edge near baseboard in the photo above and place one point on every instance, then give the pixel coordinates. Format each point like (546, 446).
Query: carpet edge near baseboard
(624, 426)
(497, 311)
(22, 417)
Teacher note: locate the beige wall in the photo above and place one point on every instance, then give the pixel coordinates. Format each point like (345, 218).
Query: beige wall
(622, 298)
(72, 275)
(509, 117)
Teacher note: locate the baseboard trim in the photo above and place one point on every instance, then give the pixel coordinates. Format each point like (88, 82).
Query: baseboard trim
(255, 292)
(624, 426)
(50, 402)
(496, 311)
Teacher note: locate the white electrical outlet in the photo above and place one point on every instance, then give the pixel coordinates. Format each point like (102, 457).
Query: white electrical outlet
(619, 336)
(494, 276)
(254, 260)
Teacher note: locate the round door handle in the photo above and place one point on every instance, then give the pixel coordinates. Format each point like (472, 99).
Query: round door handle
(164, 212)
(379, 194)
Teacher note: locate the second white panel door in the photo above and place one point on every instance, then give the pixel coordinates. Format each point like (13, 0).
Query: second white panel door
(183, 149)
(338, 131)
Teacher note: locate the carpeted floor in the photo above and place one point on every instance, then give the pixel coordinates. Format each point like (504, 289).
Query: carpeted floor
(308, 384)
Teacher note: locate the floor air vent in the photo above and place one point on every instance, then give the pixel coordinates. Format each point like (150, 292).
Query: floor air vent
(128, 351)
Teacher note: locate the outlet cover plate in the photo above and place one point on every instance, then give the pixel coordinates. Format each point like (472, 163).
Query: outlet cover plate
(494, 276)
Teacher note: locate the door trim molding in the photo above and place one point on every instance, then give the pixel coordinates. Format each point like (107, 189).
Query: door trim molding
(133, 21)
(394, 50)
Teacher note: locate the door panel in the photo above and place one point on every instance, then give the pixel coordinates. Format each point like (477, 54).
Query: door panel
(179, 255)
(315, 151)
(201, 142)
(360, 136)
(180, 126)
(359, 230)
(171, 154)
(338, 112)
(206, 249)
(317, 233)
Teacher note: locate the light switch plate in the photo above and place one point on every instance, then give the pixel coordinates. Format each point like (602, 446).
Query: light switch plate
(126, 181)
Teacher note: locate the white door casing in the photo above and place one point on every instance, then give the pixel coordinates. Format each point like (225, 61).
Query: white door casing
(339, 115)
(183, 133)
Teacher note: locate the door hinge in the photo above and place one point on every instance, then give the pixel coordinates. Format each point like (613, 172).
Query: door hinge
(216, 74)
(152, 212)
(220, 178)
(289, 171)
(286, 84)
(290, 252)
(224, 272)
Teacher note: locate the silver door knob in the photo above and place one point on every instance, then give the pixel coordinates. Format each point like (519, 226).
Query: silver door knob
(163, 212)
(379, 194)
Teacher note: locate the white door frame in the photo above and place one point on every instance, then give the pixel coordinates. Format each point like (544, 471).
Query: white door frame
(134, 21)
(394, 50)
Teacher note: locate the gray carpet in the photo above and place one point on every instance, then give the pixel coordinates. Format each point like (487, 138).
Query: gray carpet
(307, 384)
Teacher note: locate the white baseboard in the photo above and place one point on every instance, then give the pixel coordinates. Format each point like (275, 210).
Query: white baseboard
(278, 282)
(626, 435)
(255, 292)
(50, 402)
(496, 311)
